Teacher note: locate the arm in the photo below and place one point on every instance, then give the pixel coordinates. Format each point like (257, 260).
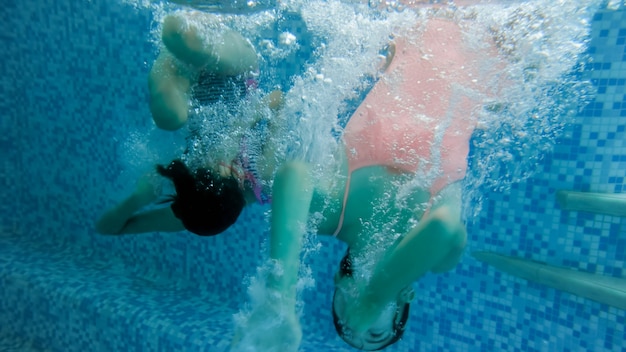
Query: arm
(158, 220)
(291, 198)
(122, 219)
(435, 244)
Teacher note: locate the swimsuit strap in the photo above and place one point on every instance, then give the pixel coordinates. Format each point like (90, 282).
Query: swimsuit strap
(345, 201)
(343, 206)
(250, 174)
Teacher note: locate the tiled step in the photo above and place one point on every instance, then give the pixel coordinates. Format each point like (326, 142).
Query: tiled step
(53, 299)
(14, 343)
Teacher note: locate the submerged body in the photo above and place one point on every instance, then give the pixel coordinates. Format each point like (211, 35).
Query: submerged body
(416, 121)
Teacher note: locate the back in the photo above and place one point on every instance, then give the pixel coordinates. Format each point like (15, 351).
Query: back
(418, 118)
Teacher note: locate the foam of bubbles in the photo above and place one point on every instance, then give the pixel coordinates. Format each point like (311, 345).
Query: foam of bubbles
(542, 42)
(249, 331)
(615, 4)
(216, 131)
(259, 295)
(139, 4)
(349, 52)
(141, 151)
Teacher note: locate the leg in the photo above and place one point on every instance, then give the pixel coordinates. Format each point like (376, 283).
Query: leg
(201, 41)
(434, 245)
(454, 255)
(190, 48)
(169, 85)
(125, 218)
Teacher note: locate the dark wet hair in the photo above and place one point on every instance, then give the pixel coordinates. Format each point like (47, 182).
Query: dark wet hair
(399, 321)
(205, 202)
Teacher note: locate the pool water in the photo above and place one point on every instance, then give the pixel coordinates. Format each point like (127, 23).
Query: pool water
(76, 133)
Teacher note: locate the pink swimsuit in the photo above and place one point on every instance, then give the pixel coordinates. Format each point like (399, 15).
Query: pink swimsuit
(418, 118)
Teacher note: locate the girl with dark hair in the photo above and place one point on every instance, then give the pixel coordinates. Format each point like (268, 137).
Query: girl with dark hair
(202, 63)
(205, 203)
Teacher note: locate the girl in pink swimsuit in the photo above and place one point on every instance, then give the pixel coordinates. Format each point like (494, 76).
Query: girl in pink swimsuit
(415, 124)
(419, 117)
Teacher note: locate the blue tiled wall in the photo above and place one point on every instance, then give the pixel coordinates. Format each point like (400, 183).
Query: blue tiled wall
(527, 222)
(73, 89)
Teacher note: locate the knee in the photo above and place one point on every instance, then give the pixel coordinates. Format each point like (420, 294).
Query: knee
(182, 40)
(449, 227)
(453, 238)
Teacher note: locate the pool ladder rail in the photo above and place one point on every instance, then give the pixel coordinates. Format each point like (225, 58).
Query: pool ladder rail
(601, 203)
(603, 289)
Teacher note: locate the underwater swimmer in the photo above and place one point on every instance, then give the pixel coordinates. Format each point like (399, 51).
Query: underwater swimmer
(202, 62)
(417, 120)
(414, 125)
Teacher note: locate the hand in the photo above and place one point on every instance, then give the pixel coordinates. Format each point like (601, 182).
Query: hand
(270, 328)
(228, 170)
(231, 169)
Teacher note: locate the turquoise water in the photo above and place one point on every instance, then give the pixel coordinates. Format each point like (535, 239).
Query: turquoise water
(77, 133)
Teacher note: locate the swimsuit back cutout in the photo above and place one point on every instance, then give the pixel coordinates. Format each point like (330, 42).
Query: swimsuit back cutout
(418, 118)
